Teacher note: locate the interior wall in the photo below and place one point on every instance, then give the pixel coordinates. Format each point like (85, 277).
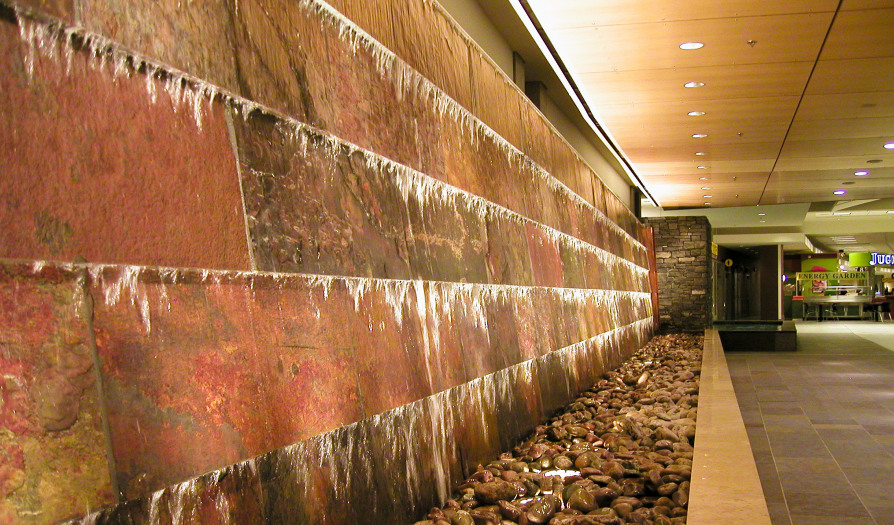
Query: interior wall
(288, 230)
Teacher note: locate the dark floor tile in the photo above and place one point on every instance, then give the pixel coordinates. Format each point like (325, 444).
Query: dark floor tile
(835, 433)
(840, 504)
(797, 445)
(863, 475)
(826, 419)
(776, 423)
(781, 408)
(779, 513)
(874, 494)
(764, 395)
(883, 515)
(808, 519)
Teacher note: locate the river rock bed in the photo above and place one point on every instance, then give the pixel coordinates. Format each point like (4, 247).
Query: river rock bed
(619, 453)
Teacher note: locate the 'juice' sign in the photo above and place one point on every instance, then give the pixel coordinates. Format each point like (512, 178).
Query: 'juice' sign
(881, 258)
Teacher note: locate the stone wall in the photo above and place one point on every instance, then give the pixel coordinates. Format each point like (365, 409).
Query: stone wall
(292, 230)
(683, 253)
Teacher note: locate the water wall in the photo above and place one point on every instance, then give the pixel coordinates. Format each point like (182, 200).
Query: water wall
(298, 273)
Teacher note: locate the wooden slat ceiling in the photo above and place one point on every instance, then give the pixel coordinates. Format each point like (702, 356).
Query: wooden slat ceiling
(798, 95)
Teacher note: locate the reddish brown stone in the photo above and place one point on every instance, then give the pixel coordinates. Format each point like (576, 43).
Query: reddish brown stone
(430, 42)
(120, 179)
(508, 260)
(281, 59)
(545, 257)
(447, 239)
(373, 16)
(53, 448)
(388, 341)
(313, 207)
(470, 315)
(367, 103)
(194, 37)
(204, 373)
(61, 9)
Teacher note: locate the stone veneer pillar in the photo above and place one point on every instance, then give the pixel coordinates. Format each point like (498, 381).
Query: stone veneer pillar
(682, 248)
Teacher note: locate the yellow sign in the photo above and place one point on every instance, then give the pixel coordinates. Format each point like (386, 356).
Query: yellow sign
(714, 249)
(728, 262)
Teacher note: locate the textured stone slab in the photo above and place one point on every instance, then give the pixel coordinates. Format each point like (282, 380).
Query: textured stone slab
(194, 37)
(201, 374)
(98, 171)
(53, 461)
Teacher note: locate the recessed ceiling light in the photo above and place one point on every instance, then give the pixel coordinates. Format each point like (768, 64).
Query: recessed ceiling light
(707, 204)
(696, 113)
(842, 213)
(700, 153)
(703, 178)
(889, 145)
(699, 135)
(706, 187)
(890, 211)
(839, 192)
(762, 220)
(861, 173)
(703, 167)
(707, 196)
(693, 84)
(761, 214)
(691, 45)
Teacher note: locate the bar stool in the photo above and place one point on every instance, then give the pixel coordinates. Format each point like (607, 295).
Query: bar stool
(812, 309)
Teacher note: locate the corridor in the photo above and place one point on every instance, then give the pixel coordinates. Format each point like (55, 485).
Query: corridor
(821, 423)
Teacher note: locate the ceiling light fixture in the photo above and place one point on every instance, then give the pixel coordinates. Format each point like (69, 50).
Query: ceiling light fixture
(706, 187)
(889, 145)
(693, 84)
(761, 214)
(707, 197)
(861, 173)
(890, 211)
(700, 153)
(707, 204)
(699, 135)
(696, 113)
(839, 192)
(703, 167)
(842, 213)
(703, 178)
(691, 45)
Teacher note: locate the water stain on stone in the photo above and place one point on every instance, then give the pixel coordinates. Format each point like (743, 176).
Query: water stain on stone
(51, 231)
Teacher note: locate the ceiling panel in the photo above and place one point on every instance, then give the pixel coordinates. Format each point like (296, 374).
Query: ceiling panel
(717, 154)
(848, 128)
(865, 4)
(619, 48)
(763, 166)
(860, 34)
(794, 149)
(842, 175)
(765, 109)
(577, 13)
(847, 105)
(833, 163)
(721, 82)
(852, 76)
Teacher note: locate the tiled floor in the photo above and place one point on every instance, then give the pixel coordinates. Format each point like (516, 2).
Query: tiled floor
(821, 423)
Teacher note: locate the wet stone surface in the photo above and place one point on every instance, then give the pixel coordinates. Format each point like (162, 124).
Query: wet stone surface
(619, 453)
